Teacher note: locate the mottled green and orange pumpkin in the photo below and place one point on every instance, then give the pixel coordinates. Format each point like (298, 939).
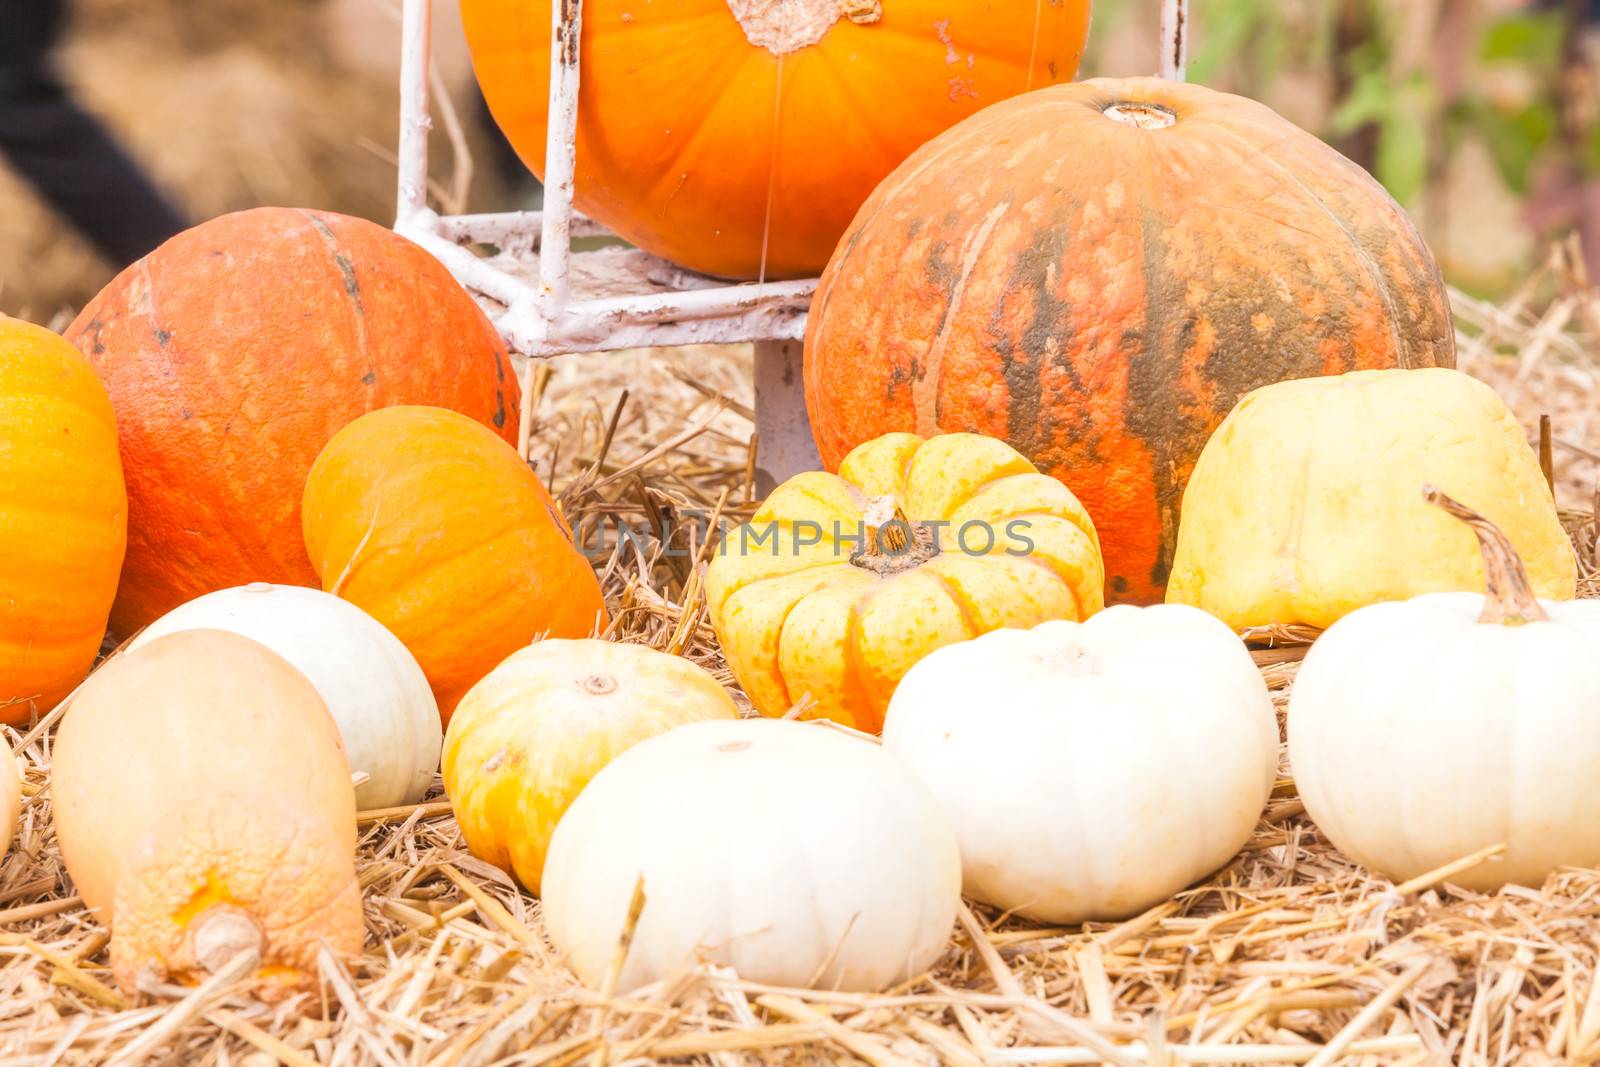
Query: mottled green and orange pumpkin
(1096, 273)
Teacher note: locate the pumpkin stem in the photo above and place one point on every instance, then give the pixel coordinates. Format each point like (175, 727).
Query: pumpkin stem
(1508, 598)
(221, 933)
(892, 542)
(1144, 116)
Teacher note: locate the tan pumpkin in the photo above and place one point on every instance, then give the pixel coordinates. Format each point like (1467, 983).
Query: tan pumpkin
(840, 583)
(204, 808)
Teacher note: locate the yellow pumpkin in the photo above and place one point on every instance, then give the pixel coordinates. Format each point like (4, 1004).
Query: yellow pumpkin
(840, 583)
(63, 518)
(528, 737)
(204, 807)
(1305, 505)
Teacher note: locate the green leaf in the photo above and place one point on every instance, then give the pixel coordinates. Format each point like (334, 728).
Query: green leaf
(1371, 100)
(1532, 38)
(1515, 140)
(1402, 159)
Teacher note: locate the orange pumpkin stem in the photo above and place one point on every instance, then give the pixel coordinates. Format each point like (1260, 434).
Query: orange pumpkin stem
(892, 542)
(1508, 596)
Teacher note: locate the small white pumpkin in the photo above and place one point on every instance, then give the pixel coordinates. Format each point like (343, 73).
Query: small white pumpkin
(379, 697)
(795, 853)
(1091, 769)
(1425, 730)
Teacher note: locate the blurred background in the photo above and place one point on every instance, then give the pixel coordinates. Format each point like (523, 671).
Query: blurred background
(1481, 116)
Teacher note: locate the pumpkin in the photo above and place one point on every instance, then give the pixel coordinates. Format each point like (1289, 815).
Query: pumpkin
(63, 518)
(438, 529)
(378, 696)
(840, 583)
(1304, 505)
(796, 854)
(1096, 273)
(729, 135)
(10, 799)
(1081, 783)
(1426, 730)
(232, 354)
(528, 737)
(203, 808)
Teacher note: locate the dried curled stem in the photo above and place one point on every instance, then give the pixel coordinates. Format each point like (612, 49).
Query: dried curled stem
(892, 542)
(1508, 595)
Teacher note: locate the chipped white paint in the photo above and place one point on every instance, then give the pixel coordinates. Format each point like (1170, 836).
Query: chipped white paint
(1174, 61)
(546, 301)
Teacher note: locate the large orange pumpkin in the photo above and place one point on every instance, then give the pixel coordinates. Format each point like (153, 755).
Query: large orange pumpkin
(1096, 273)
(234, 351)
(63, 518)
(697, 116)
(438, 529)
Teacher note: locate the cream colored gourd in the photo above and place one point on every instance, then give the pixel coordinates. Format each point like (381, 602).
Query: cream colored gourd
(204, 809)
(1091, 770)
(387, 716)
(1425, 730)
(796, 854)
(531, 734)
(1303, 507)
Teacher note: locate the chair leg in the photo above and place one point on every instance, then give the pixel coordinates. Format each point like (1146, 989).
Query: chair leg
(785, 447)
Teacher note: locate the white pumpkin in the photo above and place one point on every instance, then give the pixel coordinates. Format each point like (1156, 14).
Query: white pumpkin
(1426, 730)
(795, 853)
(386, 713)
(1091, 769)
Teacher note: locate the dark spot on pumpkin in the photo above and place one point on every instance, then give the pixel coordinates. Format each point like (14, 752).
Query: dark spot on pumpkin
(95, 326)
(370, 378)
(347, 268)
(1119, 584)
(1042, 343)
(500, 409)
(560, 523)
(186, 414)
(163, 337)
(1051, 67)
(899, 377)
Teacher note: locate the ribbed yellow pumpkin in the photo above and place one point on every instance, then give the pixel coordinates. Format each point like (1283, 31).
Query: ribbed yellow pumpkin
(840, 583)
(1305, 505)
(527, 738)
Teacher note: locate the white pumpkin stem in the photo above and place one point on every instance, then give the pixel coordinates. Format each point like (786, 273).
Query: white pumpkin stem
(1508, 595)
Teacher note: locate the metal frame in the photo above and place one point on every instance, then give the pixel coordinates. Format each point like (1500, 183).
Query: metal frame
(616, 298)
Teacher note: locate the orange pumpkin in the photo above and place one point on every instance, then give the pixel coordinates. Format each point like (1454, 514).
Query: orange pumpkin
(1096, 273)
(438, 529)
(234, 351)
(63, 518)
(204, 807)
(728, 134)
